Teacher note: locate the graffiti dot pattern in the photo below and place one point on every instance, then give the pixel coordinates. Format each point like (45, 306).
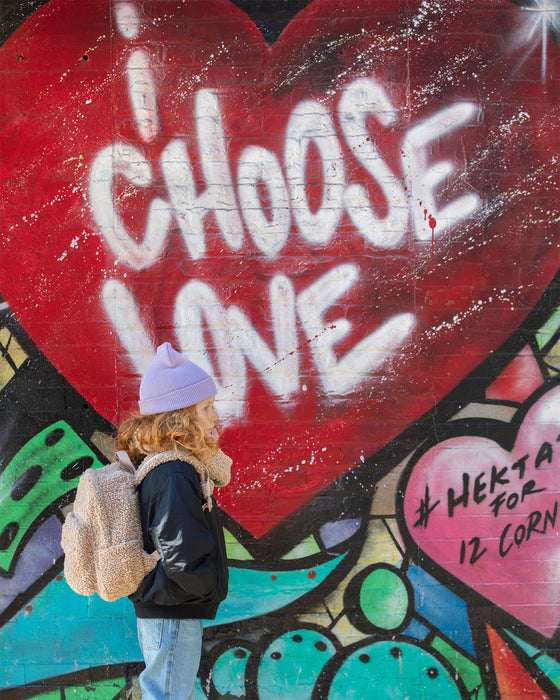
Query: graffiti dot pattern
(26, 482)
(385, 669)
(39, 479)
(281, 673)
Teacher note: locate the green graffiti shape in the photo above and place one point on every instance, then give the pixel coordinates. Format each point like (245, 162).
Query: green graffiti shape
(96, 690)
(467, 670)
(384, 599)
(45, 470)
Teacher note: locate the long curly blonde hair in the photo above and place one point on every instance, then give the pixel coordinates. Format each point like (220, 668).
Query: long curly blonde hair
(142, 435)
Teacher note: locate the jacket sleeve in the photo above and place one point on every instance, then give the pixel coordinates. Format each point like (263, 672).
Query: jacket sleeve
(178, 528)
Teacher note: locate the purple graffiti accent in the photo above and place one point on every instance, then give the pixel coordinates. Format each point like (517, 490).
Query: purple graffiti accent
(336, 532)
(39, 556)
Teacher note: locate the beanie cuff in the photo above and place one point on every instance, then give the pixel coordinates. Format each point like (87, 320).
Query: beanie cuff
(180, 398)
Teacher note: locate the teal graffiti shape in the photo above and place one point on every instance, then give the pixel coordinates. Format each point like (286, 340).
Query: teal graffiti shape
(60, 631)
(228, 672)
(291, 664)
(256, 592)
(398, 669)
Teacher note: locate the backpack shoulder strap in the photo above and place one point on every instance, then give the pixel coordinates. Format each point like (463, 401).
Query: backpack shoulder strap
(123, 458)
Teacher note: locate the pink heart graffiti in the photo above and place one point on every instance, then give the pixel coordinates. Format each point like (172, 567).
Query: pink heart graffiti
(489, 516)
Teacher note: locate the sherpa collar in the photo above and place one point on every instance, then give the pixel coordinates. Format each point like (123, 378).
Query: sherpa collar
(215, 471)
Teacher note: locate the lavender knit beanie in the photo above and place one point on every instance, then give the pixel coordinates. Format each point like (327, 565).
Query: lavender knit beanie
(172, 381)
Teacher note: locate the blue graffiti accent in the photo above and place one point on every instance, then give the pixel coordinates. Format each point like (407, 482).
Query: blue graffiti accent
(60, 632)
(441, 608)
(417, 630)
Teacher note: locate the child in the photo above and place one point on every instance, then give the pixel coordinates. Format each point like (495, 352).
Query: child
(177, 427)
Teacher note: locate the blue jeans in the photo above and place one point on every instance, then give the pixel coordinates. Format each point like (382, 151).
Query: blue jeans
(171, 650)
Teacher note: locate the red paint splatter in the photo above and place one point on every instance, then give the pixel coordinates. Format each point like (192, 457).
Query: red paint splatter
(432, 224)
(312, 574)
(273, 578)
(59, 578)
(29, 608)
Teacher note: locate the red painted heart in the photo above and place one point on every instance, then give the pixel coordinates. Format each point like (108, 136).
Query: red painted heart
(489, 516)
(332, 225)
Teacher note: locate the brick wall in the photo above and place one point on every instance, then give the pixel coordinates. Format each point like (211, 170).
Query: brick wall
(346, 212)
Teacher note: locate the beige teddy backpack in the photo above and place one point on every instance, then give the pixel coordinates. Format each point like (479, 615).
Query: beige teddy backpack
(102, 536)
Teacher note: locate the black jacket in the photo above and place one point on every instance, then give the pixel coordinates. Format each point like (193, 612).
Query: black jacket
(191, 579)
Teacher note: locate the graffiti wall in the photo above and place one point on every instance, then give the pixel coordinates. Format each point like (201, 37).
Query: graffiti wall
(348, 212)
